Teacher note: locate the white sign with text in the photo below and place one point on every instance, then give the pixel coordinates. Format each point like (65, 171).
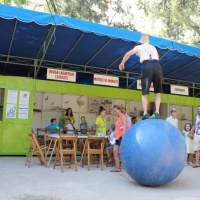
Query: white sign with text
(106, 80)
(176, 89)
(61, 75)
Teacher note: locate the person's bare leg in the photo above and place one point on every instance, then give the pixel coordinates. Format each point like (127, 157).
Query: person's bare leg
(197, 157)
(145, 103)
(157, 102)
(116, 156)
(190, 158)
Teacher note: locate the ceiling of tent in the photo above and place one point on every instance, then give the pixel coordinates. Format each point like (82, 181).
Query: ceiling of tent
(33, 41)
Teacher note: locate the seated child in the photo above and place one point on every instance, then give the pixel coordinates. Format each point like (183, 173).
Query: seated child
(69, 127)
(53, 125)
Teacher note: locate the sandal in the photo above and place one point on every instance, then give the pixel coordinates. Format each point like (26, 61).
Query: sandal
(115, 170)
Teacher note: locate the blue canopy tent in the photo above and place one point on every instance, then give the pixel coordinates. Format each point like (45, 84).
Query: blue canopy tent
(33, 41)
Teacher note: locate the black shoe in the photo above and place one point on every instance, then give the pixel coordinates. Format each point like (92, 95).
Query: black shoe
(157, 116)
(146, 116)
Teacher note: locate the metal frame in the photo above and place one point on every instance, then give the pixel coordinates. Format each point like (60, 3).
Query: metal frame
(37, 63)
(181, 67)
(72, 48)
(45, 48)
(21, 61)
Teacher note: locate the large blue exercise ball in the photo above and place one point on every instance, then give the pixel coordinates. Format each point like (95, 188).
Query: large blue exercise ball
(153, 152)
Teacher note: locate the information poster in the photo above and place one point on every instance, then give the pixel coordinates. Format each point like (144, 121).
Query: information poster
(24, 97)
(23, 112)
(11, 110)
(12, 96)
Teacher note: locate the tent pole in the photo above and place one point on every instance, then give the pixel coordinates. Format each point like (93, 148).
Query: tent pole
(44, 53)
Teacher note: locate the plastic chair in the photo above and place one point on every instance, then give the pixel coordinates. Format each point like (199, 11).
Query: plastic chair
(35, 148)
(62, 151)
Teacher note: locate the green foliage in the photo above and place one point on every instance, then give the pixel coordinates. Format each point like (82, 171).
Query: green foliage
(110, 12)
(18, 3)
(180, 18)
(174, 19)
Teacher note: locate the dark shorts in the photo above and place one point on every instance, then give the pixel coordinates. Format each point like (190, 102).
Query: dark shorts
(118, 142)
(152, 72)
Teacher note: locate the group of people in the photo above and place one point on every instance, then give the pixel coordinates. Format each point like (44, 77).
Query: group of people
(191, 134)
(67, 122)
(192, 138)
(122, 124)
(151, 72)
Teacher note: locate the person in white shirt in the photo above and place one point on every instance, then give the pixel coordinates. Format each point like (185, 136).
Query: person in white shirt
(69, 127)
(152, 72)
(172, 119)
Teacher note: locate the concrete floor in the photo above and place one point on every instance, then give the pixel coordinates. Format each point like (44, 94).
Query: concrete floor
(18, 182)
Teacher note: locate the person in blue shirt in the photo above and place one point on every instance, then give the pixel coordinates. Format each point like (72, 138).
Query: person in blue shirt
(53, 126)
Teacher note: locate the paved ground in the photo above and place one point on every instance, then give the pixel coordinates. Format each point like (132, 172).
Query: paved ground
(17, 182)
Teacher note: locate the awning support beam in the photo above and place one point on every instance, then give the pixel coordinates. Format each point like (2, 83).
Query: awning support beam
(181, 67)
(72, 48)
(44, 53)
(98, 52)
(120, 57)
(171, 60)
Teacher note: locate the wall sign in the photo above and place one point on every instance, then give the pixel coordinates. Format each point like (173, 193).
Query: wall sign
(106, 80)
(61, 75)
(11, 110)
(176, 89)
(96, 102)
(139, 85)
(12, 96)
(23, 112)
(24, 97)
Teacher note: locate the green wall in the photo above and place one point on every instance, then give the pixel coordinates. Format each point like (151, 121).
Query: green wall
(13, 132)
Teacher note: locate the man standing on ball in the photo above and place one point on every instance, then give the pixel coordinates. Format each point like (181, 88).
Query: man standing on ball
(152, 72)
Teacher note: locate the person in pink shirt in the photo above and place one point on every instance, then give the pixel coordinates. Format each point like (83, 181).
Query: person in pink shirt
(120, 130)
